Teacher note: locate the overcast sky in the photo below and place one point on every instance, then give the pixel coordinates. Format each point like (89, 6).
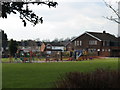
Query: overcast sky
(70, 18)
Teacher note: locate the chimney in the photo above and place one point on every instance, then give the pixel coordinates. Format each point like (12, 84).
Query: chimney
(104, 31)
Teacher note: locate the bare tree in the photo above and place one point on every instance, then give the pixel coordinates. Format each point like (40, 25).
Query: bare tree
(115, 11)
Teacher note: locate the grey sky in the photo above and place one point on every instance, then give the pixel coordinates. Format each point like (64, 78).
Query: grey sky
(70, 18)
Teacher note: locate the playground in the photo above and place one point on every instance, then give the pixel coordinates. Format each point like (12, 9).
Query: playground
(29, 69)
(43, 75)
(27, 56)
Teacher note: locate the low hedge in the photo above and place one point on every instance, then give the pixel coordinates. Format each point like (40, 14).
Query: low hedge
(99, 78)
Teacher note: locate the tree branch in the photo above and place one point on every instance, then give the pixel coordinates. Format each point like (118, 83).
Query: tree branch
(115, 11)
(112, 19)
(8, 7)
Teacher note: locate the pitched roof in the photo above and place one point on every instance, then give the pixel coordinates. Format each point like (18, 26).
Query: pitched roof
(54, 43)
(100, 36)
(103, 36)
(93, 36)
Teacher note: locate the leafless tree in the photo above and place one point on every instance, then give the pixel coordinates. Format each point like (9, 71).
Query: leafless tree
(115, 11)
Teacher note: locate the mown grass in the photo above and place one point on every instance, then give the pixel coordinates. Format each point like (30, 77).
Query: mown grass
(18, 59)
(35, 59)
(43, 75)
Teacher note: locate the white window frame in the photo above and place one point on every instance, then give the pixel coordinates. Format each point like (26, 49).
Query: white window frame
(80, 43)
(98, 50)
(103, 50)
(92, 42)
(95, 42)
(77, 43)
(48, 47)
(109, 50)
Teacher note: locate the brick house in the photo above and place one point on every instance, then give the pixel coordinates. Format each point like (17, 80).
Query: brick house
(96, 43)
(29, 45)
(54, 49)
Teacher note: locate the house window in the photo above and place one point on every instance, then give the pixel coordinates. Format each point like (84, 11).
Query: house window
(48, 47)
(80, 43)
(108, 44)
(103, 43)
(77, 43)
(98, 50)
(108, 50)
(93, 42)
(103, 50)
(94, 49)
(48, 52)
(7, 48)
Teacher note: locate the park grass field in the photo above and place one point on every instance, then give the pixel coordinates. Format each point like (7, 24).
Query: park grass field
(13, 59)
(43, 75)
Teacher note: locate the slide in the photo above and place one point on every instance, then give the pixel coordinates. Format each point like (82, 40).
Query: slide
(78, 53)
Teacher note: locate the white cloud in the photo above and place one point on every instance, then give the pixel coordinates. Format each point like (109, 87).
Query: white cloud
(67, 20)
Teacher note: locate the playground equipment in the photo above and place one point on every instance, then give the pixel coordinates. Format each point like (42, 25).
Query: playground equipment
(78, 55)
(25, 55)
(54, 56)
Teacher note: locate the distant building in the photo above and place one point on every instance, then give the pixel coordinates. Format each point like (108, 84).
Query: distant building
(96, 43)
(29, 45)
(54, 49)
(54, 46)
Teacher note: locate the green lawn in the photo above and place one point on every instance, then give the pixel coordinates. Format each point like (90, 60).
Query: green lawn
(18, 59)
(42, 75)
